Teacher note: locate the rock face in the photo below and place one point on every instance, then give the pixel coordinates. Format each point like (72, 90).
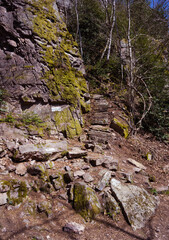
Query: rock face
(40, 66)
(138, 206)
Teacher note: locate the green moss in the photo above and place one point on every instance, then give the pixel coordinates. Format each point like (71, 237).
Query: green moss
(17, 191)
(65, 122)
(123, 126)
(85, 201)
(85, 106)
(63, 81)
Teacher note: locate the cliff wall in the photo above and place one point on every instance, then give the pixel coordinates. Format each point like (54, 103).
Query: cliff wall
(40, 66)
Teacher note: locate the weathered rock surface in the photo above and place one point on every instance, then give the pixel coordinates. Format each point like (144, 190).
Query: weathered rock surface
(120, 126)
(110, 163)
(76, 153)
(100, 134)
(137, 164)
(74, 227)
(50, 149)
(110, 205)
(40, 65)
(85, 201)
(21, 169)
(104, 181)
(137, 204)
(87, 177)
(3, 198)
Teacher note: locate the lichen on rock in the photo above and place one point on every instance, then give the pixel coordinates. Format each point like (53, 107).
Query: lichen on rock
(85, 201)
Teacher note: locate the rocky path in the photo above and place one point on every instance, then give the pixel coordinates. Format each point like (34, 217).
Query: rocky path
(116, 191)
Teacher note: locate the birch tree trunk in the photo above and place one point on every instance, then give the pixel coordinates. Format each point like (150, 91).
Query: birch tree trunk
(131, 69)
(109, 40)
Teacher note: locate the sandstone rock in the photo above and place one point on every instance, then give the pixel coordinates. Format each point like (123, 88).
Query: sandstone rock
(3, 198)
(79, 173)
(21, 169)
(110, 163)
(104, 181)
(101, 105)
(128, 176)
(100, 118)
(98, 148)
(87, 178)
(136, 203)
(85, 167)
(120, 126)
(46, 151)
(99, 136)
(85, 201)
(137, 164)
(76, 153)
(74, 227)
(111, 207)
(57, 181)
(26, 67)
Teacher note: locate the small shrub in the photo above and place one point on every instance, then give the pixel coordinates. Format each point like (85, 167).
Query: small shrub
(31, 118)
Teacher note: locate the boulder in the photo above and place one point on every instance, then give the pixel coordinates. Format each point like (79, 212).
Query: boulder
(87, 178)
(21, 169)
(111, 207)
(85, 201)
(137, 205)
(40, 152)
(79, 173)
(104, 181)
(76, 152)
(111, 163)
(74, 227)
(120, 126)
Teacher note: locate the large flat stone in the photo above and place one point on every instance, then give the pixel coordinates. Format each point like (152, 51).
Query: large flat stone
(137, 205)
(100, 136)
(46, 151)
(76, 153)
(100, 118)
(136, 164)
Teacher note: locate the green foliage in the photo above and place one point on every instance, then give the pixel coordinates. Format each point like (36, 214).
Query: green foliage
(3, 96)
(149, 40)
(9, 119)
(29, 118)
(91, 19)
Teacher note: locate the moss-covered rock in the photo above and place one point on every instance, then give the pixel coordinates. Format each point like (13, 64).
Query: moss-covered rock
(85, 201)
(62, 79)
(67, 122)
(17, 191)
(120, 126)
